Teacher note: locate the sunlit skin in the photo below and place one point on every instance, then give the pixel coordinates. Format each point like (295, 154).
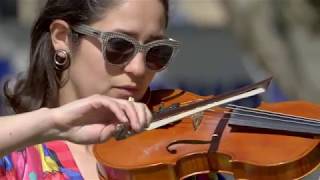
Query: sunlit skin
(89, 73)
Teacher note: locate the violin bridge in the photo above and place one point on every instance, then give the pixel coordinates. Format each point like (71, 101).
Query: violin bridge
(196, 120)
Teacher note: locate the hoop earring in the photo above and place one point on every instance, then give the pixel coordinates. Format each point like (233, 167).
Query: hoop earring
(61, 60)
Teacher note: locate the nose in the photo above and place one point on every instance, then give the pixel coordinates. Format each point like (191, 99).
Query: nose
(136, 66)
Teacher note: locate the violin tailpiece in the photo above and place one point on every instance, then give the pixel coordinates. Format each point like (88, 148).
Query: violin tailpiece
(196, 120)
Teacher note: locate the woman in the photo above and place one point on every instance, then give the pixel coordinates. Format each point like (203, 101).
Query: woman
(87, 58)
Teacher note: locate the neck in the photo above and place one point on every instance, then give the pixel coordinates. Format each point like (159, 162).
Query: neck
(67, 94)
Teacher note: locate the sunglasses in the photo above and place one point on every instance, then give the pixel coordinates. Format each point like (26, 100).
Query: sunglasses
(119, 48)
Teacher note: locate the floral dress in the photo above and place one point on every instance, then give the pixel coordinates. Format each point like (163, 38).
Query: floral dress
(49, 161)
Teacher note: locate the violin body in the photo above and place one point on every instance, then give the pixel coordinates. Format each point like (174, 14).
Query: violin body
(252, 154)
(269, 155)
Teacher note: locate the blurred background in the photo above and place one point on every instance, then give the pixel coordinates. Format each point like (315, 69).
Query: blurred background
(225, 44)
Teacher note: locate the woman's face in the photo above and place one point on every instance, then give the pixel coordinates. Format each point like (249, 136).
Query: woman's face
(90, 74)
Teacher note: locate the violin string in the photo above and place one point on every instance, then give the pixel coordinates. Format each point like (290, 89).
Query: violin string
(287, 122)
(205, 122)
(255, 110)
(281, 119)
(277, 116)
(282, 126)
(245, 111)
(265, 112)
(187, 123)
(273, 116)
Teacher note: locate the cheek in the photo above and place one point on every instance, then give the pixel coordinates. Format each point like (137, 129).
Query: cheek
(149, 77)
(88, 72)
(144, 84)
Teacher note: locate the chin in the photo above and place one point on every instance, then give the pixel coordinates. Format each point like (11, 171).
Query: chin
(122, 94)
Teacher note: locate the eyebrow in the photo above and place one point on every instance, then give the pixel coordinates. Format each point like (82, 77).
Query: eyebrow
(135, 35)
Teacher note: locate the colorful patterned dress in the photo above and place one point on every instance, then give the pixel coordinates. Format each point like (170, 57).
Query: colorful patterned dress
(49, 161)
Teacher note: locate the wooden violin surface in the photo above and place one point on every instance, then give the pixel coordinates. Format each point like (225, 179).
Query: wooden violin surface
(263, 154)
(245, 153)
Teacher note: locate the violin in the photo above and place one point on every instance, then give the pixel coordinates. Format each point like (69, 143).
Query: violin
(275, 141)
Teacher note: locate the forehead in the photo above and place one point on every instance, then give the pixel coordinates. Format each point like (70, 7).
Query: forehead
(140, 17)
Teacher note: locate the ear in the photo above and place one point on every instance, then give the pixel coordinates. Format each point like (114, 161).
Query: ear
(59, 31)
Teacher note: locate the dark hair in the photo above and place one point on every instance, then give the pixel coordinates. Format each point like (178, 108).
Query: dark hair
(39, 87)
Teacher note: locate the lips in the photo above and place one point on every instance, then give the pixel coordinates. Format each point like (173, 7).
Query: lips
(128, 87)
(126, 90)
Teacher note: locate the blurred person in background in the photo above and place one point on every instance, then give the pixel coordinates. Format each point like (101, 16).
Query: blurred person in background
(283, 39)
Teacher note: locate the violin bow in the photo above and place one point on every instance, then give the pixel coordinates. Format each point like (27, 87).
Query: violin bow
(169, 116)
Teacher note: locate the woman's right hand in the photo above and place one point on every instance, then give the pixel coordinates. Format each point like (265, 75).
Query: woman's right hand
(94, 119)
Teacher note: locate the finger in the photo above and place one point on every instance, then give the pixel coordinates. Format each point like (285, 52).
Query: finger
(141, 115)
(115, 108)
(132, 114)
(106, 133)
(148, 115)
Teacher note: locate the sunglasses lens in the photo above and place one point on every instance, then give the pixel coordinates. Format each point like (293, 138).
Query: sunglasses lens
(118, 50)
(158, 56)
